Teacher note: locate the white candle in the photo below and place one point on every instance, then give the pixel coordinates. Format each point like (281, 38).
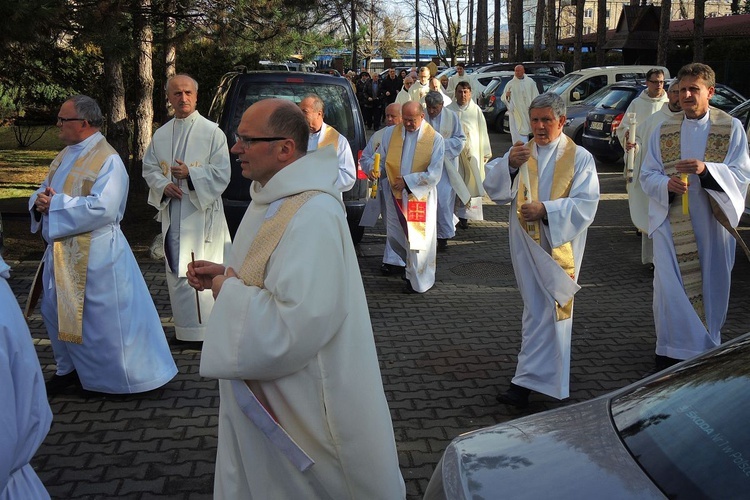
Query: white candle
(630, 161)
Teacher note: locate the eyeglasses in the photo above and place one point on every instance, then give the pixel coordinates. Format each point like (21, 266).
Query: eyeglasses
(60, 119)
(246, 142)
(656, 82)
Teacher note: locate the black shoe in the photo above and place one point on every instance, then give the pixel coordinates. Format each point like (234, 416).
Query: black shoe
(57, 383)
(463, 223)
(391, 270)
(664, 362)
(515, 396)
(409, 289)
(442, 245)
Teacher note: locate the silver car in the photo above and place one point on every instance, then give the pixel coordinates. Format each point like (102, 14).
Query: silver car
(681, 433)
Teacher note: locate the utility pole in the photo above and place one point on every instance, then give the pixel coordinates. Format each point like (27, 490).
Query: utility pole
(416, 34)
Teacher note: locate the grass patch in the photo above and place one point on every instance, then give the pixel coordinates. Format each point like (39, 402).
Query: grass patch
(47, 142)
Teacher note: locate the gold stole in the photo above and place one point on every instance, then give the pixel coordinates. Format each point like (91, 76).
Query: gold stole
(420, 162)
(71, 253)
(683, 237)
(562, 180)
(253, 269)
(331, 138)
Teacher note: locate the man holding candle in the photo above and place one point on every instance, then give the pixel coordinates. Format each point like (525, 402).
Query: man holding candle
(694, 248)
(413, 153)
(392, 262)
(186, 167)
(553, 202)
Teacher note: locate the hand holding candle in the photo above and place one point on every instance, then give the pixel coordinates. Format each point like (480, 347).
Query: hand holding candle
(685, 204)
(630, 137)
(376, 174)
(197, 297)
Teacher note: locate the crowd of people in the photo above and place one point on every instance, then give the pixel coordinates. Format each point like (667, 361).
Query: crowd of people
(292, 344)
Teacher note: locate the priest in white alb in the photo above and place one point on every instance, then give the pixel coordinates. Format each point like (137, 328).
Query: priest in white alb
(302, 411)
(322, 135)
(451, 183)
(413, 153)
(186, 167)
(693, 226)
(477, 150)
(637, 199)
(553, 188)
(24, 411)
(102, 323)
(517, 96)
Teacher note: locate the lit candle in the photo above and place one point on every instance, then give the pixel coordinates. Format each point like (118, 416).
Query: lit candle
(684, 179)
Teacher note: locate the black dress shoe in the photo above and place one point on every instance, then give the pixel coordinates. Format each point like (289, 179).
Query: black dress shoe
(463, 223)
(390, 270)
(57, 383)
(409, 289)
(515, 396)
(664, 362)
(442, 245)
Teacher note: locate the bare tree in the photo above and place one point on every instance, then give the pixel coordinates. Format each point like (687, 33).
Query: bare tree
(470, 32)
(480, 49)
(515, 31)
(170, 54)
(496, 35)
(661, 52)
(446, 29)
(143, 119)
(578, 43)
(601, 31)
(699, 28)
(539, 29)
(551, 40)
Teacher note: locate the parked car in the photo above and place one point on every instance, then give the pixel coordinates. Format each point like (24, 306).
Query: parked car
(602, 122)
(576, 114)
(492, 105)
(742, 113)
(577, 86)
(239, 90)
(681, 433)
(553, 68)
(328, 71)
(603, 144)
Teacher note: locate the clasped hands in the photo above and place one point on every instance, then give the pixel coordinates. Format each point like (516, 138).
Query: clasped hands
(179, 171)
(203, 274)
(688, 166)
(43, 200)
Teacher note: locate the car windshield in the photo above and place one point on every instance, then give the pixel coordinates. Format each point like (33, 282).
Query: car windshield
(563, 83)
(494, 84)
(688, 430)
(593, 99)
(617, 99)
(337, 111)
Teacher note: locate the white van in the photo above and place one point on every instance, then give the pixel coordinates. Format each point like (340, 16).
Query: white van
(577, 86)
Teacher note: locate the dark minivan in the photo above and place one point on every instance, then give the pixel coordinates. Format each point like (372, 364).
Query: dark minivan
(238, 90)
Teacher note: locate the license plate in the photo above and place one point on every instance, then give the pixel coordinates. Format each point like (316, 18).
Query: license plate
(597, 126)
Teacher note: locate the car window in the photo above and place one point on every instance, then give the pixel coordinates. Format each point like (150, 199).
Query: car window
(629, 77)
(725, 99)
(688, 430)
(588, 87)
(561, 85)
(337, 112)
(618, 99)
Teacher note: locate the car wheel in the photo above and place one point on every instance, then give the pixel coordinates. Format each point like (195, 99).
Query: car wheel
(579, 137)
(499, 122)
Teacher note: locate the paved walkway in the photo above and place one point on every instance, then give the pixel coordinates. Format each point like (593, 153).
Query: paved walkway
(443, 357)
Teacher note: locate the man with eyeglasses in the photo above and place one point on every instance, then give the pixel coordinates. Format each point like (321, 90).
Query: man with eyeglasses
(322, 135)
(646, 104)
(637, 199)
(695, 173)
(403, 96)
(302, 410)
(102, 323)
(187, 167)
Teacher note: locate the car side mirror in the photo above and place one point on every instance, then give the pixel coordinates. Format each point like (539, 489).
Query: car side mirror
(576, 96)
